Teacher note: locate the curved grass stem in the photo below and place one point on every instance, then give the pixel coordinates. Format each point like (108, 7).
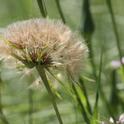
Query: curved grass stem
(42, 74)
(82, 107)
(42, 6)
(60, 11)
(115, 29)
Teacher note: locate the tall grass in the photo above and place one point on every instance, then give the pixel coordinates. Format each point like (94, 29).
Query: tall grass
(89, 105)
(2, 115)
(43, 76)
(115, 29)
(42, 7)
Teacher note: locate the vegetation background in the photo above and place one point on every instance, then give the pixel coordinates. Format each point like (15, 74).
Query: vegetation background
(101, 23)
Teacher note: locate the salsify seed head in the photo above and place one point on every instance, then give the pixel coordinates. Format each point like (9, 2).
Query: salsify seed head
(46, 42)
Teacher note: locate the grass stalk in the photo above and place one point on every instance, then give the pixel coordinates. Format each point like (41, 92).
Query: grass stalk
(107, 105)
(42, 6)
(85, 94)
(30, 106)
(98, 81)
(2, 116)
(99, 78)
(109, 4)
(59, 81)
(114, 99)
(60, 11)
(84, 113)
(87, 29)
(43, 76)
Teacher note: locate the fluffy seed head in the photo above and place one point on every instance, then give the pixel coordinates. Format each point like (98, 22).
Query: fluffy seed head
(46, 42)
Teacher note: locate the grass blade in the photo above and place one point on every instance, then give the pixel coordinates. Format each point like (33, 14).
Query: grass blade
(84, 114)
(2, 116)
(60, 11)
(68, 90)
(87, 30)
(42, 74)
(30, 97)
(42, 6)
(109, 4)
(95, 113)
(85, 94)
(75, 90)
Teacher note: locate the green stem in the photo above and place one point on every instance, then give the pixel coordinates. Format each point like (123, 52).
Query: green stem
(109, 4)
(60, 11)
(88, 28)
(3, 118)
(84, 113)
(43, 10)
(85, 94)
(57, 79)
(42, 74)
(30, 106)
(98, 80)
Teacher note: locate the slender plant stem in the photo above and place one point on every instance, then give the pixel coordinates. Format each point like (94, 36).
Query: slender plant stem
(57, 79)
(115, 30)
(30, 106)
(98, 81)
(108, 106)
(85, 94)
(2, 116)
(88, 30)
(60, 11)
(42, 74)
(84, 114)
(99, 78)
(114, 98)
(42, 6)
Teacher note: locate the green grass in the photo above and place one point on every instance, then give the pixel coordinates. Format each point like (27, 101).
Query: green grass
(97, 95)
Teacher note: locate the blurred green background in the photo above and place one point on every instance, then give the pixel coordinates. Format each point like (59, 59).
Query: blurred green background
(22, 105)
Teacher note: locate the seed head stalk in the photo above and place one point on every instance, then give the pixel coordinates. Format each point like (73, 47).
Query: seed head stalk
(41, 72)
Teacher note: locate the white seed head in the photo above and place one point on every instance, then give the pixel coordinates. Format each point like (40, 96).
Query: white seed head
(46, 42)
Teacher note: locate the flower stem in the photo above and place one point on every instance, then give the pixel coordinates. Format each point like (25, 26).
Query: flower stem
(42, 74)
(60, 11)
